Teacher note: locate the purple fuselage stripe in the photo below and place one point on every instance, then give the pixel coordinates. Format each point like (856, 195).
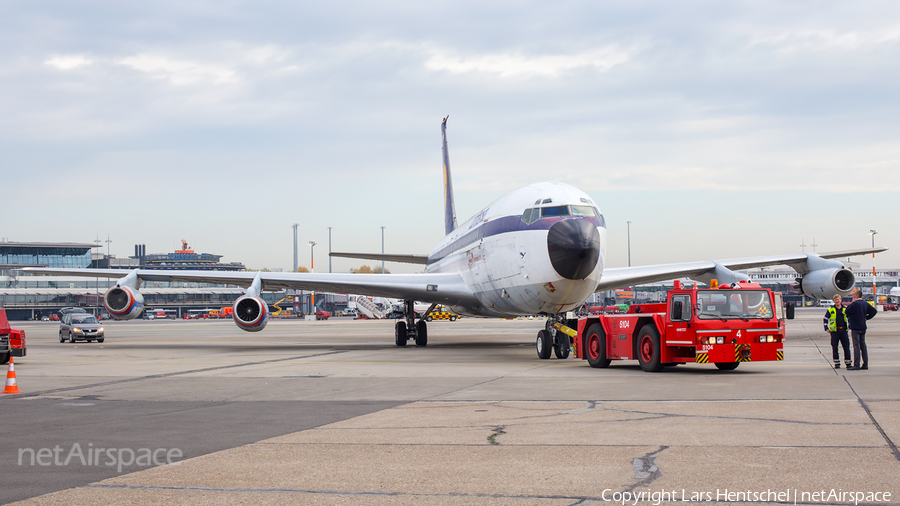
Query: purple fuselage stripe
(499, 226)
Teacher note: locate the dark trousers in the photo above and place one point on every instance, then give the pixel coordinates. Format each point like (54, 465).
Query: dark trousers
(859, 346)
(840, 337)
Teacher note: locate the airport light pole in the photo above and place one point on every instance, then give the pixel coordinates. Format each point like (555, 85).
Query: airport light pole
(296, 264)
(629, 242)
(329, 250)
(382, 249)
(874, 293)
(312, 294)
(98, 282)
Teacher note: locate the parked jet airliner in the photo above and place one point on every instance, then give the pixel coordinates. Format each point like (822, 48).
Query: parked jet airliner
(538, 250)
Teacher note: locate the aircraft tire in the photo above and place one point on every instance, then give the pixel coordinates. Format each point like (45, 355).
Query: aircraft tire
(562, 347)
(595, 347)
(543, 344)
(421, 333)
(400, 334)
(727, 366)
(648, 352)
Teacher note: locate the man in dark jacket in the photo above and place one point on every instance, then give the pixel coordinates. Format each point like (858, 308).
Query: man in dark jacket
(857, 313)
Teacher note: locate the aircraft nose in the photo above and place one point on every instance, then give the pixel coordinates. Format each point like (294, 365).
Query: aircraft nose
(574, 247)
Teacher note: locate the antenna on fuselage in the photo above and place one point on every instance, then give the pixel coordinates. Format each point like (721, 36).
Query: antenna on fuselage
(449, 206)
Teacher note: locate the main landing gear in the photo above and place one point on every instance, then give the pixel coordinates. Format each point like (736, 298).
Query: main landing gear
(552, 339)
(409, 328)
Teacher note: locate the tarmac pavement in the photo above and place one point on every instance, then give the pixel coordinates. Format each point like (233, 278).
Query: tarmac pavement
(331, 412)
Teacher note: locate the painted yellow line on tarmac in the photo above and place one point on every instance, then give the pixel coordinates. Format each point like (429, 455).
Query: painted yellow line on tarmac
(149, 361)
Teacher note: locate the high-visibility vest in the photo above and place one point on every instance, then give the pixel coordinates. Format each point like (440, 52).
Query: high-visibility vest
(831, 315)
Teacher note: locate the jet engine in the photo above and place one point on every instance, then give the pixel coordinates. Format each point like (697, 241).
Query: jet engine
(123, 303)
(250, 313)
(826, 283)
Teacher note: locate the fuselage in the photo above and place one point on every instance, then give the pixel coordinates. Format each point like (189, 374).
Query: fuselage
(538, 249)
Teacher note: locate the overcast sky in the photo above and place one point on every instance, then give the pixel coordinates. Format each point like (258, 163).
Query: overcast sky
(720, 130)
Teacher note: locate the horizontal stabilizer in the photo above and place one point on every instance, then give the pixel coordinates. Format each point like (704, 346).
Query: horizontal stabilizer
(403, 259)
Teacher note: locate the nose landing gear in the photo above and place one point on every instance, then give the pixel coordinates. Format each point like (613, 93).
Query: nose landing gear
(553, 339)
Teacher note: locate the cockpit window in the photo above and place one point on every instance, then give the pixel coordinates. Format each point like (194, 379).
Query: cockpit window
(583, 211)
(526, 216)
(548, 212)
(547, 201)
(532, 215)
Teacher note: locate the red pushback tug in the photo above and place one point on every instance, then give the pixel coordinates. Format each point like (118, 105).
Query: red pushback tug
(12, 341)
(722, 325)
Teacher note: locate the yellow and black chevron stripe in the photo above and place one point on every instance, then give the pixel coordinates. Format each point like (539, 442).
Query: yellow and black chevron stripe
(779, 354)
(738, 357)
(702, 358)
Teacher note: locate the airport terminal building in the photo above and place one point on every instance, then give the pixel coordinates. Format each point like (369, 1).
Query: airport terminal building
(26, 296)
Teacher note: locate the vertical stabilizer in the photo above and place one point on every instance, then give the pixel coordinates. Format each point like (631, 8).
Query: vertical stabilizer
(449, 207)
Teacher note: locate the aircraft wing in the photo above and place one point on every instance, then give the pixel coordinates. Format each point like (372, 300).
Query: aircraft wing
(442, 288)
(619, 277)
(404, 259)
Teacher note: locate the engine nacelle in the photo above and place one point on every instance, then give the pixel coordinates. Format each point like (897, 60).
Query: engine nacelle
(250, 313)
(826, 283)
(123, 303)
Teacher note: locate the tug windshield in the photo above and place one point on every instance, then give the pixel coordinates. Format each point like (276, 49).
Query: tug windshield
(734, 304)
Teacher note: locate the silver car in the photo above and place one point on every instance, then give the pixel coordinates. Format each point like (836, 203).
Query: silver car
(80, 327)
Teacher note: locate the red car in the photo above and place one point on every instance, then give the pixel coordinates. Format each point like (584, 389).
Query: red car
(54, 318)
(322, 315)
(890, 307)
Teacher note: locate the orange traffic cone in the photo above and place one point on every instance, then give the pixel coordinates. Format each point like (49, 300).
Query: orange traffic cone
(11, 387)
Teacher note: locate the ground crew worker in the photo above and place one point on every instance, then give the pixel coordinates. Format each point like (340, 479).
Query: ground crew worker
(857, 313)
(836, 324)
